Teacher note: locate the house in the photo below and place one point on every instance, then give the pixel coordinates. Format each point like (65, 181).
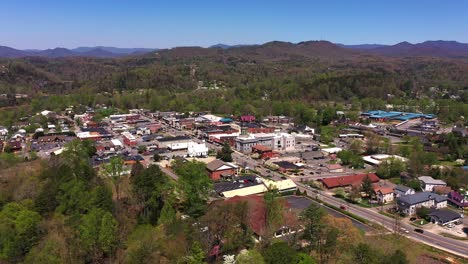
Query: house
(442, 190)
(458, 199)
(335, 168)
(444, 217)
(384, 194)
(401, 190)
(197, 150)
(348, 180)
(218, 169)
(428, 183)
(409, 203)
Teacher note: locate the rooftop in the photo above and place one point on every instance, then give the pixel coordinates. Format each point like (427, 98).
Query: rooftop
(430, 180)
(420, 197)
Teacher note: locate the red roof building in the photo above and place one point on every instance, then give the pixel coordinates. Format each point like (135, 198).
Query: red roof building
(264, 151)
(348, 180)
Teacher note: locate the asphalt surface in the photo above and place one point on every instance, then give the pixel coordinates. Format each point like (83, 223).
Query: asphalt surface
(301, 202)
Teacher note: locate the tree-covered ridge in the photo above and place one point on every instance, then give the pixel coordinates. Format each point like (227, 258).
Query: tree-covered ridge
(318, 70)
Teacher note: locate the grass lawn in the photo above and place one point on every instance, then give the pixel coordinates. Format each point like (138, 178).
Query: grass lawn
(395, 180)
(420, 222)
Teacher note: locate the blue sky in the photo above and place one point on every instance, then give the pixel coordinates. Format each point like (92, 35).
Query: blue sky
(161, 24)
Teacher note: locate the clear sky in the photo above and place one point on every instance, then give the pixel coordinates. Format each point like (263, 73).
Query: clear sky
(162, 24)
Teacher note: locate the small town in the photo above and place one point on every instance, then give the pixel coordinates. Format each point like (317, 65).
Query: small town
(233, 132)
(367, 171)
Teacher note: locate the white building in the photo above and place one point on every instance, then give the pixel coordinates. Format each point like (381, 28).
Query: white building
(409, 203)
(197, 150)
(428, 183)
(379, 158)
(276, 141)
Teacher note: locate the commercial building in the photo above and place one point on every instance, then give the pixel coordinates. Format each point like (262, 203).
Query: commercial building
(444, 217)
(129, 139)
(218, 169)
(174, 143)
(277, 142)
(409, 203)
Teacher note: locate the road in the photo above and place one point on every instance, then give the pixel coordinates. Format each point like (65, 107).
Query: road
(453, 246)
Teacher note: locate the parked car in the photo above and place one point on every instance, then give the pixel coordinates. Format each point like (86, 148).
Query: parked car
(283, 177)
(418, 230)
(311, 173)
(342, 207)
(412, 219)
(404, 230)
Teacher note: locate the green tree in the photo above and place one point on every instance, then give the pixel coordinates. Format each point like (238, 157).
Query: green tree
(364, 254)
(280, 253)
(98, 233)
(347, 157)
(251, 256)
(312, 218)
(195, 186)
(305, 259)
(157, 157)
(225, 154)
(367, 185)
(19, 229)
(391, 168)
(422, 212)
(149, 189)
(273, 210)
(398, 257)
(114, 171)
(196, 256)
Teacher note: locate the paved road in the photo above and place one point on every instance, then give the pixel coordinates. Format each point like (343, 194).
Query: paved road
(453, 246)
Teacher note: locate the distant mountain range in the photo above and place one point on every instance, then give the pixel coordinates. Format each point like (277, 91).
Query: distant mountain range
(437, 48)
(98, 52)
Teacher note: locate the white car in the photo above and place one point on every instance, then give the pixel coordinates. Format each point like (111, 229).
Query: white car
(404, 230)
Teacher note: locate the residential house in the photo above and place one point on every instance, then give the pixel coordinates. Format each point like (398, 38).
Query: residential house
(442, 190)
(428, 183)
(384, 194)
(458, 199)
(218, 169)
(409, 203)
(401, 190)
(444, 217)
